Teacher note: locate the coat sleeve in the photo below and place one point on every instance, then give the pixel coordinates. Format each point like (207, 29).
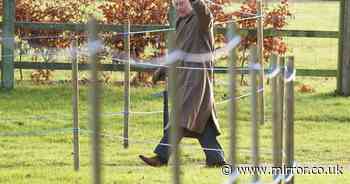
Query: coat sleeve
(204, 15)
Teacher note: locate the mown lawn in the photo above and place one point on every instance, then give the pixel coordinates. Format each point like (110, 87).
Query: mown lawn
(36, 144)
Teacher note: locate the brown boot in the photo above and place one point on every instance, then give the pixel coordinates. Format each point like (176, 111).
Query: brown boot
(152, 161)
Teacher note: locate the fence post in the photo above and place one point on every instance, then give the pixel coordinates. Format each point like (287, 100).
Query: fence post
(174, 126)
(276, 116)
(340, 47)
(94, 102)
(254, 69)
(343, 83)
(231, 33)
(126, 84)
(170, 45)
(289, 128)
(281, 94)
(75, 86)
(8, 46)
(260, 55)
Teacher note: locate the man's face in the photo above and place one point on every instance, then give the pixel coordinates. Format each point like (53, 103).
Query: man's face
(183, 7)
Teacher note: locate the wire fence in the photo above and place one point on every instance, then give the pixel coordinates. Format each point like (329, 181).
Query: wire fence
(199, 60)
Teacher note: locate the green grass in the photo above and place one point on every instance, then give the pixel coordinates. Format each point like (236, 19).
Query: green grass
(321, 132)
(36, 144)
(314, 53)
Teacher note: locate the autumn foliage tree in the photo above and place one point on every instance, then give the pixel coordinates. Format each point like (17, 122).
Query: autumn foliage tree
(139, 12)
(275, 18)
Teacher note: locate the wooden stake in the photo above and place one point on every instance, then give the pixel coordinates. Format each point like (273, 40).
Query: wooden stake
(289, 128)
(281, 94)
(254, 115)
(276, 116)
(260, 55)
(174, 124)
(126, 85)
(95, 104)
(233, 103)
(75, 86)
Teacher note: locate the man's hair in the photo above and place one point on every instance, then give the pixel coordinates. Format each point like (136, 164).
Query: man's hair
(174, 1)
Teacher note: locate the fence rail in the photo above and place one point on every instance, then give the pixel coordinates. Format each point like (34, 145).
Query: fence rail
(80, 27)
(147, 68)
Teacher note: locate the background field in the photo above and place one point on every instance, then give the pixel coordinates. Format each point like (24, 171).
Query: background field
(35, 122)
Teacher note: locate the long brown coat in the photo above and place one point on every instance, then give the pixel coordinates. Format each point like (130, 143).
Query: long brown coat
(194, 90)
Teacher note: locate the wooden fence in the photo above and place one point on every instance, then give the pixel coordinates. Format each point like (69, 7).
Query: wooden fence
(9, 24)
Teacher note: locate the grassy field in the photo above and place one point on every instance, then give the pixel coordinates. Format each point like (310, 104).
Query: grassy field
(36, 143)
(36, 120)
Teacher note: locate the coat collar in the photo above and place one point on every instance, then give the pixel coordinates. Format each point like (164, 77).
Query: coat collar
(187, 17)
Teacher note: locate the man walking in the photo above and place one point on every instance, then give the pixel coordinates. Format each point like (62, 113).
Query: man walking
(194, 92)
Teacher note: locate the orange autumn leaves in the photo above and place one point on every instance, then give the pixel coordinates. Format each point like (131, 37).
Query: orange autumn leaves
(140, 12)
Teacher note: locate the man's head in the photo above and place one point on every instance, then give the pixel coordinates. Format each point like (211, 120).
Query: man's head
(183, 7)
